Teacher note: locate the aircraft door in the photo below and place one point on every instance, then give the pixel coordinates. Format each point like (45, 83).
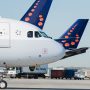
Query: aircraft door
(4, 35)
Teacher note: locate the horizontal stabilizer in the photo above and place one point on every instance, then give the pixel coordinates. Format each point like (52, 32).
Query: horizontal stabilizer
(75, 52)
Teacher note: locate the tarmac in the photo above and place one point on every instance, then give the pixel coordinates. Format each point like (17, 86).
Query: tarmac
(47, 84)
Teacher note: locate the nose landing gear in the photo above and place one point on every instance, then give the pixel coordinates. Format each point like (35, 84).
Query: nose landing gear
(3, 84)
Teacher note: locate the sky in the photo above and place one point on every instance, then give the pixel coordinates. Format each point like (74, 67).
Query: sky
(62, 15)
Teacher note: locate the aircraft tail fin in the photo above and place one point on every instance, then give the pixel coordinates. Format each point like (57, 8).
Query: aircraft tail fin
(37, 13)
(71, 38)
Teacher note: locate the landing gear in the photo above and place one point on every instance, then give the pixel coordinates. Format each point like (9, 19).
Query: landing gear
(3, 84)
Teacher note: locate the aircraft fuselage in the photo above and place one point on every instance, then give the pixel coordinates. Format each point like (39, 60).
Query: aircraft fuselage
(17, 49)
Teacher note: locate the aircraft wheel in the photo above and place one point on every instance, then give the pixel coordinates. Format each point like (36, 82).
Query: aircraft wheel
(3, 84)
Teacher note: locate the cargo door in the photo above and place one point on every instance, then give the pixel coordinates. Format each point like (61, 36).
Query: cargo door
(4, 35)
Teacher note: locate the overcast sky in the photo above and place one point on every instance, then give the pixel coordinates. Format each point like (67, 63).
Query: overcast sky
(62, 14)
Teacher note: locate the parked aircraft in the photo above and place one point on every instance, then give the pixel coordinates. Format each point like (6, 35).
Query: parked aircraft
(23, 43)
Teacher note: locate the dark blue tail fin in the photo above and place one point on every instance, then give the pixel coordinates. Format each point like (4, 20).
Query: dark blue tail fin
(37, 13)
(71, 38)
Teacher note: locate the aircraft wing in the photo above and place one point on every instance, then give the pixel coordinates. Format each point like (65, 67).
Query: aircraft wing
(37, 13)
(75, 52)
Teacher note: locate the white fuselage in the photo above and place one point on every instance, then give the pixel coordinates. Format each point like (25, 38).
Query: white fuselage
(17, 49)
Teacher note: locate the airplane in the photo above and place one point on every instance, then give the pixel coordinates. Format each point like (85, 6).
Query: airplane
(24, 43)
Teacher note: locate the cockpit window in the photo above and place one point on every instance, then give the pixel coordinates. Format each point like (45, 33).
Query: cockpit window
(30, 34)
(37, 34)
(44, 34)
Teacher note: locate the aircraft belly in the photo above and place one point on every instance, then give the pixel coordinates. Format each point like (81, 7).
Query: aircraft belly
(21, 53)
(26, 53)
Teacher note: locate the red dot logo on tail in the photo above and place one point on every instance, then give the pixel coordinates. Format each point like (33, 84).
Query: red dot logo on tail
(72, 43)
(66, 37)
(27, 19)
(67, 45)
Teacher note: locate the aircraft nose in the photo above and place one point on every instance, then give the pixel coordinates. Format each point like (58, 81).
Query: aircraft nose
(59, 50)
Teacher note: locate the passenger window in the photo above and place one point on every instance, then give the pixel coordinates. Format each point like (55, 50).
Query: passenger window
(30, 34)
(37, 34)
